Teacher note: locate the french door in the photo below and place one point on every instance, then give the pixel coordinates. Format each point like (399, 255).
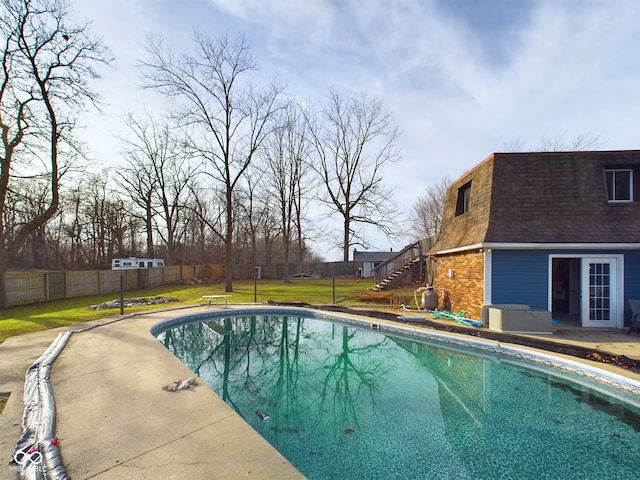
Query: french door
(599, 292)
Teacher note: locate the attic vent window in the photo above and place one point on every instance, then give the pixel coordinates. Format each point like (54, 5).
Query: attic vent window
(462, 205)
(619, 182)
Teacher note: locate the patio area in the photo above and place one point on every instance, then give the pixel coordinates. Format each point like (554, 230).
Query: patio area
(115, 421)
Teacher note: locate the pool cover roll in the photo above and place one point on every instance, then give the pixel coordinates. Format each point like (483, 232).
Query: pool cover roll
(37, 453)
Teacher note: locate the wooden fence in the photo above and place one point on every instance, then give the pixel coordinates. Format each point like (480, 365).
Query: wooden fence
(27, 287)
(323, 269)
(23, 288)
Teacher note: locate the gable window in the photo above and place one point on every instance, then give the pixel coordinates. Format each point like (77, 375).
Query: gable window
(619, 185)
(462, 204)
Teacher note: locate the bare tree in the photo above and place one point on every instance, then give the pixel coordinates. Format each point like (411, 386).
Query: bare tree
(286, 156)
(425, 216)
(205, 216)
(44, 84)
(104, 220)
(156, 177)
(580, 143)
(228, 116)
(354, 138)
(141, 149)
(250, 210)
(515, 144)
(174, 174)
(72, 223)
(26, 200)
(268, 229)
(558, 143)
(197, 234)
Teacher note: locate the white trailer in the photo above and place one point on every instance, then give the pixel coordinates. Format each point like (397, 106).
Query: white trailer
(135, 263)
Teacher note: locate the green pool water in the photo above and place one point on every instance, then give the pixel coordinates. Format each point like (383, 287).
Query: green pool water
(346, 402)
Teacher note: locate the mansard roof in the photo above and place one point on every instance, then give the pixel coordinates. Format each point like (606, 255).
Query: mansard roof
(545, 197)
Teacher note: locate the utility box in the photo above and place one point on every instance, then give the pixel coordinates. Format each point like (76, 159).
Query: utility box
(520, 321)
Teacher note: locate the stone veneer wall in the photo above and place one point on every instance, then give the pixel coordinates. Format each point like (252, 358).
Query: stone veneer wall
(465, 291)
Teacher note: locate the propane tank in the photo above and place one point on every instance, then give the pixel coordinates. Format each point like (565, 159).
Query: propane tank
(429, 299)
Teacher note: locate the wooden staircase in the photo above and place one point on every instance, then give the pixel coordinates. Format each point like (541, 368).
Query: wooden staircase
(401, 263)
(382, 284)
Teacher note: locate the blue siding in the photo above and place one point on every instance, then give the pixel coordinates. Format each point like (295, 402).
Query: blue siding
(521, 276)
(631, 281)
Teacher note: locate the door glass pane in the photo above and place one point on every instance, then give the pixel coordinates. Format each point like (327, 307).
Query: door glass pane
(599, 291)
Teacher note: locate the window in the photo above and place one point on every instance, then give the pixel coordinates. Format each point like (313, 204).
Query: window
(619, 185)
(462, 205)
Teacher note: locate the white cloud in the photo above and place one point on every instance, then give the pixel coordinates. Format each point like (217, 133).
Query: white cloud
(461, 78)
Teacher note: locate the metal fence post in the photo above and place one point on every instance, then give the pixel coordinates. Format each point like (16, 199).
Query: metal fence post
(121, 294)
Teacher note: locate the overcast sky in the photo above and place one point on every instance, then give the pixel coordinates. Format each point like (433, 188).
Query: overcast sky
(462, 78)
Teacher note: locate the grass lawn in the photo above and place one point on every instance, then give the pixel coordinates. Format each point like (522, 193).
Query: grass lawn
(348, 291)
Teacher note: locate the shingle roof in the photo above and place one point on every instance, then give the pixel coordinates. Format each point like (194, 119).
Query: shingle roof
(549, 197)
(362, 256)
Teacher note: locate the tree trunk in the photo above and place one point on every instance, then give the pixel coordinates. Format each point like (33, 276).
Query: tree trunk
(4, 301)
(228, 248)
(149, 231)
(285, 246)
(346, 244)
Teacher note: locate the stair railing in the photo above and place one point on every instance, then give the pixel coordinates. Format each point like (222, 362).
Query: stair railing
(396, 262)
(416, 250)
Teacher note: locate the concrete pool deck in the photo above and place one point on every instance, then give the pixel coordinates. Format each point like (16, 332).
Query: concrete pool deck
(115, 421)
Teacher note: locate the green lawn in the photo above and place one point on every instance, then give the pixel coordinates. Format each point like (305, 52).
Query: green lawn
(33, 318)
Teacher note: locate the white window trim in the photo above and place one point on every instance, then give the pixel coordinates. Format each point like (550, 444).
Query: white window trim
(614, 170)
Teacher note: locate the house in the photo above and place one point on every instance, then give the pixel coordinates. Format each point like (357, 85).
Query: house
(558, 231)
(370, 260)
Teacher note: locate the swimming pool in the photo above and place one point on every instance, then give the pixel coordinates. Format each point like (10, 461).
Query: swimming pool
(346, 401)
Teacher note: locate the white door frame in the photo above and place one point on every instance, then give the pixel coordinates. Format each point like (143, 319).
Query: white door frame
(617, 294)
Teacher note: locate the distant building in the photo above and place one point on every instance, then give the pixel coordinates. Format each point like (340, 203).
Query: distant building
(370, 260)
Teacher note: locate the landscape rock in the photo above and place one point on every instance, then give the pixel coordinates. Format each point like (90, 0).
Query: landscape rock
(134, 302)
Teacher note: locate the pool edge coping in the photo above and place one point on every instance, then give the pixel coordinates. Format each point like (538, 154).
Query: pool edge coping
(588, 372)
